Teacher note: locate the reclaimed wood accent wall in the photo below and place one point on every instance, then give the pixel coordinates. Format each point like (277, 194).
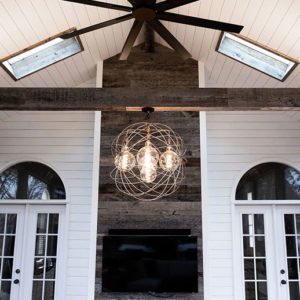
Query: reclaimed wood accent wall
(181, 210)
(160, 69)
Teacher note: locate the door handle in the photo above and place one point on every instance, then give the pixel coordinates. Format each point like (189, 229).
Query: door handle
(16, 281)
(283, 281)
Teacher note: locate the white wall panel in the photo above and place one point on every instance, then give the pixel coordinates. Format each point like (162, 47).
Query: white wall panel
(64, 140)
(236, 141)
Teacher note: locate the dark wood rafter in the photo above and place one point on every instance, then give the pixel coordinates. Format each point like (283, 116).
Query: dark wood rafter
(148, 11)
(162, 99)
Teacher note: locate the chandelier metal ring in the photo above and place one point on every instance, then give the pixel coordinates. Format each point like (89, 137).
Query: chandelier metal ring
(149, 161)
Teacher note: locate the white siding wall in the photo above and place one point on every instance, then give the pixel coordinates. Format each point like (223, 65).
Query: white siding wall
(236, 141)
(64, 140)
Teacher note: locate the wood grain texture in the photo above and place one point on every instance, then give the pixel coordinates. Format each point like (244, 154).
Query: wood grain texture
(162, 68)
(163, 99)
(185, 124)
(180, 210)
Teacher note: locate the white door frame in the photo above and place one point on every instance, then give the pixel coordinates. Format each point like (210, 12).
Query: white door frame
(25, 247)
(275, 247)
(17, 261)
(238, 245)
(282, 261)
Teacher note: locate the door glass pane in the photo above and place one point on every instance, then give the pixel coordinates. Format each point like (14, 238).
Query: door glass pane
(262, 293)
(49, 290)
(294, 290)
(11, 223)
(248, 245)
(260, 246)
(44, 274)
(250, 290)
(9, 245)
(5, 289)
(40, 245)
(50, 268)
(39, 266)
(8, 224)
(261, 269)
(292, 268)
(37, 290)
(249, 268)
(259, 224)
(255, 270)
(2, 222)
(41, 223)
(53, 223)
(292, 243)
(7, 265)
(289, 224)
(298, 222)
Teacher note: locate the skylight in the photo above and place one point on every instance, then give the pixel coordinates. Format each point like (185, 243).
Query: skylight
(41, 55)
(261, 58)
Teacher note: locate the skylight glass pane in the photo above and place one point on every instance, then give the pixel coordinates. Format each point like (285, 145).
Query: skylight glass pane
(39, 57)
(255, 56)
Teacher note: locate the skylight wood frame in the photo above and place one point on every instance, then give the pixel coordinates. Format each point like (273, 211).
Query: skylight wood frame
(296, 62)
(35, 46)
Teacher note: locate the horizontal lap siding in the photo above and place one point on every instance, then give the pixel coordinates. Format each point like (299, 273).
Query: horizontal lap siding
(235, 140)
(65, 141)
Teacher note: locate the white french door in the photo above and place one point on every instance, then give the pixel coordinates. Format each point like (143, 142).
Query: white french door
(288, 241)
(31, 252)
(267, 258)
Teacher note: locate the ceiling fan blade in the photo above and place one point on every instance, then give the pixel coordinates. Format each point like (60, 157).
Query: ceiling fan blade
(169, 38)
(140, 3)
(102, 4)
(199, 22)
(97, 26)
(169, 4)
(134, 31)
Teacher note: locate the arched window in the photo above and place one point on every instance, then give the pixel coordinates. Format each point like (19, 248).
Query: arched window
(31, 180)
(269, 181)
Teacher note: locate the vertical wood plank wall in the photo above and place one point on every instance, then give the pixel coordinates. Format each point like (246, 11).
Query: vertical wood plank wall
(162, 68)
(64, 140)
(180, 210)
(236, 141)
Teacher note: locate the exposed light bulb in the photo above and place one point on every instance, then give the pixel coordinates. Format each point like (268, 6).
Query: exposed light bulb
(169, 160)
(148, 175)
(147, 157)
(125, 161)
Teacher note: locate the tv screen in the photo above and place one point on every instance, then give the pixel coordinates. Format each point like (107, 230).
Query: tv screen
(158, 264)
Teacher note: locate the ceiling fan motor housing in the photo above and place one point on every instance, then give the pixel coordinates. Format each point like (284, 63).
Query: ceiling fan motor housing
(144, 14)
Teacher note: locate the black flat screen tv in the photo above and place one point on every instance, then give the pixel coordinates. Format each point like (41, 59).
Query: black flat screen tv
(154, 264)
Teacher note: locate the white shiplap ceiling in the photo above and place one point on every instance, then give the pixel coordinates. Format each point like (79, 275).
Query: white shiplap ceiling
(275, 23)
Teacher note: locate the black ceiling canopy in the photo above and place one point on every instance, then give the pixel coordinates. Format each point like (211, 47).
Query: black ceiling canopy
(151, 12)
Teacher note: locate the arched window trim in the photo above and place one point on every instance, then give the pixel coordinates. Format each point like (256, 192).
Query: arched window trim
(262, 202)
(37, 201)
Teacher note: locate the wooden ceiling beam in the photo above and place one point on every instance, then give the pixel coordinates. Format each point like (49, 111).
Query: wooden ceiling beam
(162, 99)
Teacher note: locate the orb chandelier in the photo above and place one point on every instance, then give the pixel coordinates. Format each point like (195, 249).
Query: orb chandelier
(148, 159)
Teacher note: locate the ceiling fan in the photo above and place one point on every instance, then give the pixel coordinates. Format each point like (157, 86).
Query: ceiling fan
(151, 12)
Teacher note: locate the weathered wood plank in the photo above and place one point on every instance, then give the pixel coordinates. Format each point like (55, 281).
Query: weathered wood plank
(179, 210)
(160, 68)
(162, 99)
(112, 123)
